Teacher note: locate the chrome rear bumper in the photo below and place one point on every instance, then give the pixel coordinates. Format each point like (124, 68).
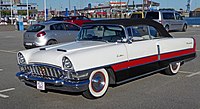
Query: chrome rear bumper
(56, 84)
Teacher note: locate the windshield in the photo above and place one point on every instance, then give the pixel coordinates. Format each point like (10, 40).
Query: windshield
(102, 33)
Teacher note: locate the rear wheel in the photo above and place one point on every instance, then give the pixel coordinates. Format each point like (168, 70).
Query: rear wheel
(99, 82)
(51, 42)
(167, 28)
(173, 68)
(184, 28)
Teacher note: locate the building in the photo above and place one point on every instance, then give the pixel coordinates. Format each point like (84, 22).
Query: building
(195, 13)
(17, 1)
(8, 1)
(17, 7)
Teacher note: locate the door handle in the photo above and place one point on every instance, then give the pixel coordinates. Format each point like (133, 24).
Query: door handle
(120, 55)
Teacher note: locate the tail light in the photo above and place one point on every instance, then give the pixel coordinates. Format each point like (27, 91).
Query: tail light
(40, 34)
(195, 48)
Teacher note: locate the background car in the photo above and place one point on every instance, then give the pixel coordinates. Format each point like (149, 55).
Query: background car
(170, 19)
(79, 20)
(49, 33)
(59, 18)
(137, 15)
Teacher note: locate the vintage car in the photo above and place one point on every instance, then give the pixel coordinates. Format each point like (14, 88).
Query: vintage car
(106, 52)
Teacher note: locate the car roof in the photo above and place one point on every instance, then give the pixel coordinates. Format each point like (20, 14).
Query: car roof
(132, 22)
(53, 22)
(171, 11)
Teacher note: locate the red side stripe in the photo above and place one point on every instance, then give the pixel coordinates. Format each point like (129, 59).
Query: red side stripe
(175, 54)
(141, 61)
(136, 62)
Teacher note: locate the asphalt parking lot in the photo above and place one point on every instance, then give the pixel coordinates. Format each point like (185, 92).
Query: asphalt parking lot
(157, 91)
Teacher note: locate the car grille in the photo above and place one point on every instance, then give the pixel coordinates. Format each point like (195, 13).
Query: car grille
(43, 71)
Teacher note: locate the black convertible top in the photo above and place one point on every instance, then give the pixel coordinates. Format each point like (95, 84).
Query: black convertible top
(133, 22)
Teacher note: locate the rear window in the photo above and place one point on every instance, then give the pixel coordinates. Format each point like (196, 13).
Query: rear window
(152, 15)
(35, 28)
(168, 16)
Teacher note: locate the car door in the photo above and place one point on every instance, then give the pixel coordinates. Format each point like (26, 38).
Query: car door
(71, 32)
(179, 21)
(169, 19)
(142, 53)
(57, 32)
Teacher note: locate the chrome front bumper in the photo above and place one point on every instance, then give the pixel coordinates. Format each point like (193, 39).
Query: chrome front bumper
(56, 84)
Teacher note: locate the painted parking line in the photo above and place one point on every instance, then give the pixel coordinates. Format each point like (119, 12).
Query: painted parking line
(3, 96)
(5, 90)
(193, 74)
(6, 51)
(185, 72)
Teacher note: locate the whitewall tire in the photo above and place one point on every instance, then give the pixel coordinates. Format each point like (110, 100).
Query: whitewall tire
(99, 82)
(173, 68)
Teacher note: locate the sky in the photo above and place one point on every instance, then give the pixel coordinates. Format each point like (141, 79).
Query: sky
(62, 4)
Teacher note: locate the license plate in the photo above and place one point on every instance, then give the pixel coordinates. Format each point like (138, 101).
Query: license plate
(40, 85)
(28, 43)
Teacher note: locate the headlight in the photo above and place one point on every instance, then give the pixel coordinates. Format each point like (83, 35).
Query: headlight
(21, 59)
(71, 74)
(67, 65)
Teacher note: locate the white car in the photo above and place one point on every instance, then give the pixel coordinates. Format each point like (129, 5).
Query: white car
(106, 52)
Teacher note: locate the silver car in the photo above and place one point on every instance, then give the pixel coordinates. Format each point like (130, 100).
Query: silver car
(48, 33)
(170, 19)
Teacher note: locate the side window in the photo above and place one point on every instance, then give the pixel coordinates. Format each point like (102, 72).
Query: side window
(71, 27)
(178, 16)
(142, 32)
(57, 27)
(133, 32)
(52, 27)
(168, 16)
(129, 32)
(153, 32)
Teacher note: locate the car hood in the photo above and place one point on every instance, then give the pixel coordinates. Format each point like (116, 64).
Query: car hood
(74, 46)
(54, 54)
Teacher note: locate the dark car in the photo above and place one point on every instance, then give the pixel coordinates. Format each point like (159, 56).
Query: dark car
(58, 18)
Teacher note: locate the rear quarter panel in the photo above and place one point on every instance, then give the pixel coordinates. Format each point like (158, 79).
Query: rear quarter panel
(176, 49)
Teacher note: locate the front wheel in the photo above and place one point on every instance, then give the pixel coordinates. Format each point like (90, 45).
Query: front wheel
(173, 68)
(99, 82)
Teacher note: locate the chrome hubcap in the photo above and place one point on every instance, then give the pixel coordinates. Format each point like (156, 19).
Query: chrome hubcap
(174, 66)
(98, 82)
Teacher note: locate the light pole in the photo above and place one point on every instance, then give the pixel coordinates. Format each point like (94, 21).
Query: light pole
(11, 11)
(45, 10)
(120, 8)
(0, 9)
(27, 12)
(69, 5)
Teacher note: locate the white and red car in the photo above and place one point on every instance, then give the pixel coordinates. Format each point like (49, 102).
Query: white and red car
(106, 52)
